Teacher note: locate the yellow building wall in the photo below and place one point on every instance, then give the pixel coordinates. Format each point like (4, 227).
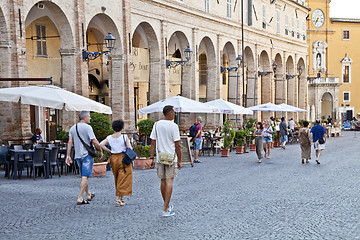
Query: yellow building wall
(332, 34)
(44, 66)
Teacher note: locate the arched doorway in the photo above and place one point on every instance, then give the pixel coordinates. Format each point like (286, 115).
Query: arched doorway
(327, 105)
(302, 87)
(265, 81)
(207, 71)
(251, 77)
(179, 78)
(229, 80)
(279, 80)
(146, 67)
(291, 83)
(48, 34)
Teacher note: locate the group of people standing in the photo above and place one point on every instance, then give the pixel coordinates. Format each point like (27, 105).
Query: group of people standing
(165, 139)
(316, 136)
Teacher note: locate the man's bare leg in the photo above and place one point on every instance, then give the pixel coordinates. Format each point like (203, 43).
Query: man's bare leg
(163, 188)
(168, 192)
(83, 186)
(196, 154)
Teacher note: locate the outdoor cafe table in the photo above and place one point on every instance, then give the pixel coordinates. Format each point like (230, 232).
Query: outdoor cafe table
(17, 154)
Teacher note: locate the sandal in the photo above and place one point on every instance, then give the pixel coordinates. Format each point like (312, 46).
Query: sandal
(92, 195)
(307, 161)
(259, 161)
(83, 202)
(119, 203)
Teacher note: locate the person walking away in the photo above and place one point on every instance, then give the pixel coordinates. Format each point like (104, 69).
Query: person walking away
(268, 131)
(258, 134)
(123, 174)
(329, 120)
(292, 125)
(198, 140)
(319, 139)
(305, 142)
(283, 133)
(166, 142)
(85, 162)
(37, 136)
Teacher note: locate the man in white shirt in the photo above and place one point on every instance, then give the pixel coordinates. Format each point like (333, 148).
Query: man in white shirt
(292, 125)
(166, 139)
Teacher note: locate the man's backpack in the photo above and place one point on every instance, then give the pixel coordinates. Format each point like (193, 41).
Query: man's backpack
(193, 130)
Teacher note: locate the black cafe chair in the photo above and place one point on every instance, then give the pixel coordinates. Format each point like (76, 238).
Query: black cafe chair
(5, 159)
(54, 161)
(36, 161)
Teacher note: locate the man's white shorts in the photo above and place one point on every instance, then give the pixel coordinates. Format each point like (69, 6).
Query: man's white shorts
(319, 146)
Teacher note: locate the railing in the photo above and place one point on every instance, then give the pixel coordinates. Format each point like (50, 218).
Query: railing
(324, 80)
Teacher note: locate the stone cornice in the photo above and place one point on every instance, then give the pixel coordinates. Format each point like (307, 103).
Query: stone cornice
(67, 52)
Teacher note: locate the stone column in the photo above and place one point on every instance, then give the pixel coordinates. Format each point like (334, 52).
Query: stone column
(117, 88)
(68, 82)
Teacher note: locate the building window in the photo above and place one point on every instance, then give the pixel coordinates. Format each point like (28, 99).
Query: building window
(264, 16)
(277, 21)
(207, 5)
(346, 34)
(228, 8)
(298, 29)
(293, 26)
(346, 96)
(250, 10)
(41, 40)
(346, 69)
(286, 25)
(304, 32)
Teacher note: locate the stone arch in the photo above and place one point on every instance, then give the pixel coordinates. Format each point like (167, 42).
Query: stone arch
(146, 65)
(208, 71)
(251, 76)
(302, 87)
(229, 77)
(291, 82)
(179, 77)
(279, 80)
(98, 28)
(327, 105)
(265, 77)
(58, 17)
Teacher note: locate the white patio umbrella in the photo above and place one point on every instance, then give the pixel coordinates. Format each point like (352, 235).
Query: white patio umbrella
(228, 107)
(52, 97)
(268, 107)
(294, 109)
(181, 104)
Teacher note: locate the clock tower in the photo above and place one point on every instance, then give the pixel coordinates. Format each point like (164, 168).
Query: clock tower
(318, 32)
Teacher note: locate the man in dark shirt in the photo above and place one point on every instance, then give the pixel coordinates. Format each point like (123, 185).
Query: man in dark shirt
(318, 132)
(283, 132)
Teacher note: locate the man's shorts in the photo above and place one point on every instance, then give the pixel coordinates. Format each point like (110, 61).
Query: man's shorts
(284, 138)
(198, 144)
(319, 146)
(85, 165)
(166, 171)
(268, 140)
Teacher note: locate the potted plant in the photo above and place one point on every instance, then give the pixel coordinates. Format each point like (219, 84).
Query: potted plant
(145, 127)
(250, 125)
(99, 167)
(142, 160)
(240, 139)
(251, 136)
(227, 135)
(275, 137)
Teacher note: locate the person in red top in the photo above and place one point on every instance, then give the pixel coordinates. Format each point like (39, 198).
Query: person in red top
(198, 140)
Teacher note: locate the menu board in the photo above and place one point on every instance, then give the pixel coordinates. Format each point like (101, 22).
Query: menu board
(186, 157)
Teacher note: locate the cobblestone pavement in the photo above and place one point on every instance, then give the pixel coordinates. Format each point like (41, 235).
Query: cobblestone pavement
(222, 198)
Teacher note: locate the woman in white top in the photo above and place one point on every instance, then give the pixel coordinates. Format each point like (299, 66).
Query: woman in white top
(123, 175)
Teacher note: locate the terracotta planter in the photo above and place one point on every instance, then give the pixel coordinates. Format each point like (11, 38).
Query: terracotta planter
(252, 147)
(99, 169)
(276, 144)
(225, 152)
(239, 149)
(142, 163)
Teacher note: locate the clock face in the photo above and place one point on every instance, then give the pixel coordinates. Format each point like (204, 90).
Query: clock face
(318, 18)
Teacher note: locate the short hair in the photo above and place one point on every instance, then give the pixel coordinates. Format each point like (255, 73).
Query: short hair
(291, 118)
(83, 114)
(261, 125)
(167, 109)
(306, 123)
(37, 131)
(283, 119)
(317, 121)
(117, 125)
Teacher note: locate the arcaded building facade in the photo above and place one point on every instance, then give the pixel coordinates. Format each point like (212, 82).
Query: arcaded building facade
(45, 39)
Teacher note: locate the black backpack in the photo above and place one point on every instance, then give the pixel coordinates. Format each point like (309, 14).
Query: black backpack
(193, 130)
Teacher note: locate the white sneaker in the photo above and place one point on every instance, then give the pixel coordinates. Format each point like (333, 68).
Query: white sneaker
(171, 207)
(168, 214)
